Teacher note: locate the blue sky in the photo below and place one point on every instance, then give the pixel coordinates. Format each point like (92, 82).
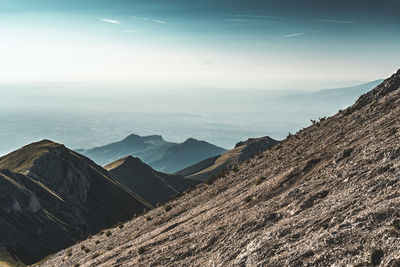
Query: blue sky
(203, 44)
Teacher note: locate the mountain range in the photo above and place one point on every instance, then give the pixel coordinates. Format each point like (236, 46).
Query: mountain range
(214, 166)
(155, 151)
(325, 196)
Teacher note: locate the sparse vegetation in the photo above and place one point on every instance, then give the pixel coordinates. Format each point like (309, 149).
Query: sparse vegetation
(167, 208)
(396, 224)
(260, 180)
(392, 131)
(95, 255)
(85, 249)
(141, 250)
(376, 256)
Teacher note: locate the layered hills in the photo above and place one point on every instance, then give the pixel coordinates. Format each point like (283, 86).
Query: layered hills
(153, 186)
(155, 151)
(328, 195)
(214, 166)
(51, 197)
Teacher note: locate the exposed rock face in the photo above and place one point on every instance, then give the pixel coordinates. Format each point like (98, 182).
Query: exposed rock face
(327, 196)
(155, 151)
(153, 186)
(50, 197)
(212, 167)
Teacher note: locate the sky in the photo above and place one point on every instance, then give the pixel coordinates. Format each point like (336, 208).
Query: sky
(235, 44)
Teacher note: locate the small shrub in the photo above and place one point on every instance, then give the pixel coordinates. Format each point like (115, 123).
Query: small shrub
(97, 242)
(396, 263)
(392, 131)
(167, 208)
(108, 233)
(260, 180)
(396, 224)
(95, 255)
(69, 253)
(141, 250)
(76, 265)
(376, 256)
(148, 218)
(121, 226)
(247, 199)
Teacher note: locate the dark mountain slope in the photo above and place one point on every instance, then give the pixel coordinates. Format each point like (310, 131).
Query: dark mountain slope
(182, 155)
(153, 186)
(156, 152)
(327, 196)
(51, 197)
(211, 167)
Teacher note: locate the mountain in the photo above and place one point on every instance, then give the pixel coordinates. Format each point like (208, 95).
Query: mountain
(153, 186)
(51, 196)
(214, 166)
(326, 196)
(185, 154)
(155, 151)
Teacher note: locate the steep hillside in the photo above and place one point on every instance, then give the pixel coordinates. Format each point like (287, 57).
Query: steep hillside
(153, 186)
(156, 152)
(50, 197)
(327, 196)
(208, 168)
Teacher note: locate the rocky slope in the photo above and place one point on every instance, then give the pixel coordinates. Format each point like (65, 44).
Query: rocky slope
(50, 197)
(327, 196)
(153, 186)
(212, 167)
(155, 151)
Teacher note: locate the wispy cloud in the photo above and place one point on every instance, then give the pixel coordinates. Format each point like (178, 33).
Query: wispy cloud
(252, 18)
(159, 21)
(149, 20)
(257, 17)
(290, 35)
(338, 21)
(111, 21)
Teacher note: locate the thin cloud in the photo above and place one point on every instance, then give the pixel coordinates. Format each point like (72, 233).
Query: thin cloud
(338, 21)
(257, 17)
(290, 35)
(159, 21)
(149, 20)
(111, 21)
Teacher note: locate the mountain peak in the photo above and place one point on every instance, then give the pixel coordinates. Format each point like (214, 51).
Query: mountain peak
(24, 158)
(386, 87)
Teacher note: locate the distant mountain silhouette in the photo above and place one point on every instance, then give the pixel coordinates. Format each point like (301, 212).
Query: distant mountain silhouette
(155, 151)
(51, 196)
(210, 167)
(153, 186)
